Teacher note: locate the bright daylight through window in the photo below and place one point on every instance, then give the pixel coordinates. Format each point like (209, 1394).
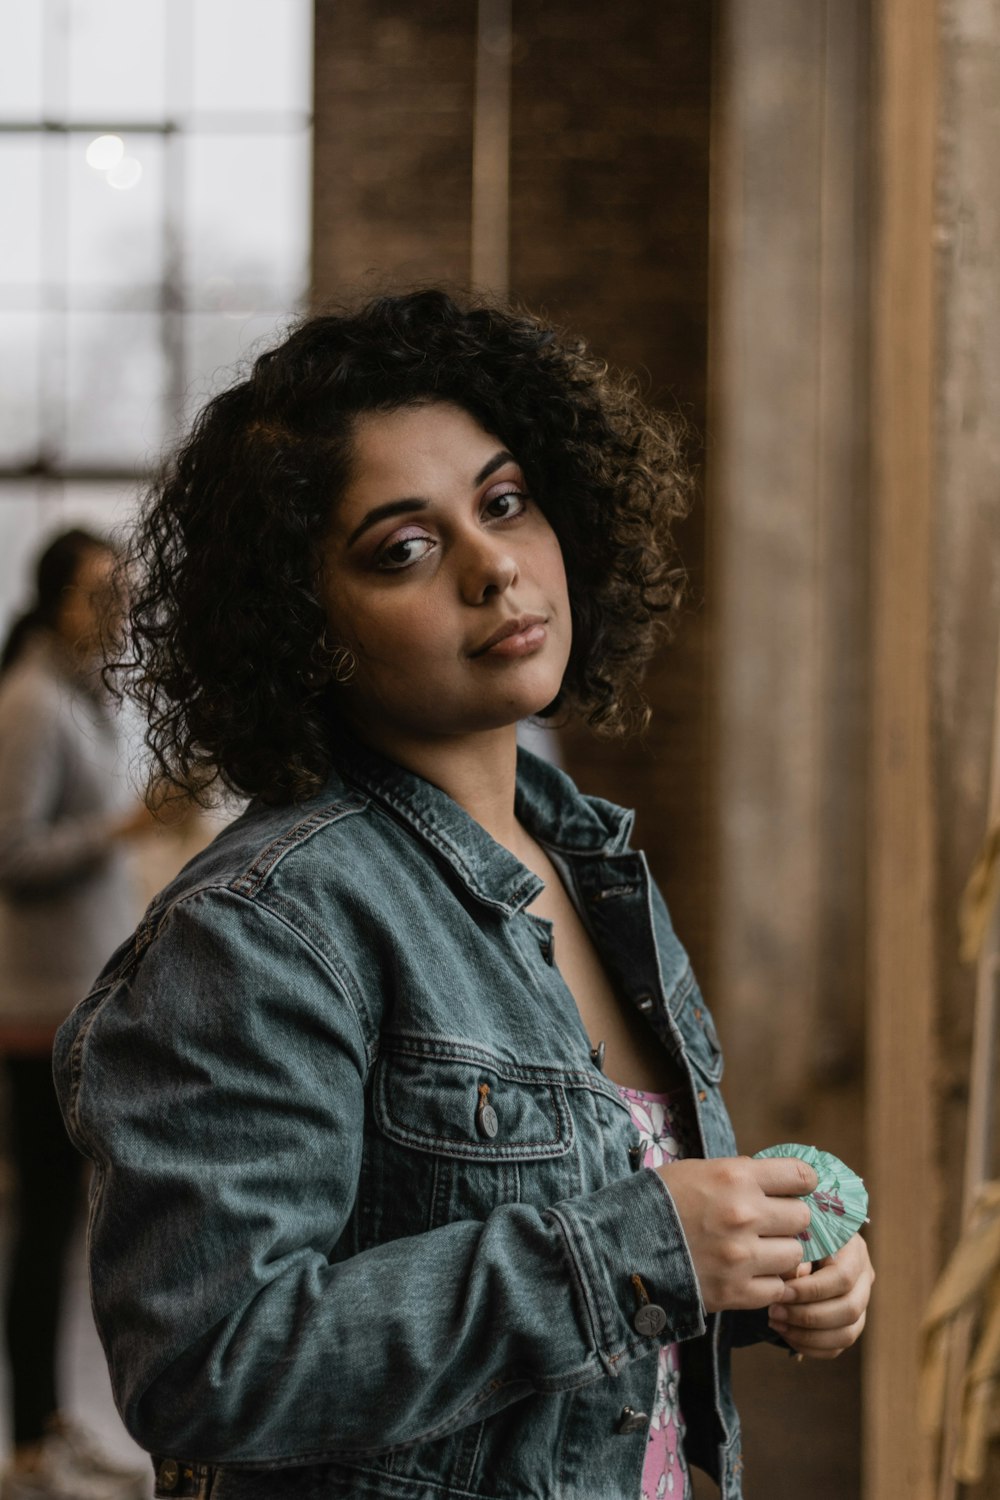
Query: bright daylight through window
(154, 167)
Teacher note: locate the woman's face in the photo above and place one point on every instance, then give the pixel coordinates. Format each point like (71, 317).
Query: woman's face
(89, 605)
(445, 580)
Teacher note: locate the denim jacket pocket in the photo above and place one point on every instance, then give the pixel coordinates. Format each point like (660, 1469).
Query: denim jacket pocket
(464, 1131)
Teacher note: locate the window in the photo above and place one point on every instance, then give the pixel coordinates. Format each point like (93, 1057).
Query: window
(155, 176)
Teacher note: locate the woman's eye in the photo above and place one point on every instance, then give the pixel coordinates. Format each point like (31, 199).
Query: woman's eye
(400, 554)
(507, 503)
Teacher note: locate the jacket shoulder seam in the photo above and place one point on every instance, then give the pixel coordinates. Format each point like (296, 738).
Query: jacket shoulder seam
(251, 880)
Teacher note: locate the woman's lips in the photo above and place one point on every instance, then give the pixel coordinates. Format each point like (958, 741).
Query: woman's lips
(521, 643)
(517, 637)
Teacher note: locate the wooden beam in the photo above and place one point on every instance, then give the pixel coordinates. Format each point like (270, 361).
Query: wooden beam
(491, 148)
(901, 1106)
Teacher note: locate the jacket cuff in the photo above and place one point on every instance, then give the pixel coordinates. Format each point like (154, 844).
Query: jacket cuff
(622, 1233)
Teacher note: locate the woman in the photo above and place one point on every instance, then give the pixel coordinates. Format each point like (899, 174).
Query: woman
(370, 1213)
(65, 900)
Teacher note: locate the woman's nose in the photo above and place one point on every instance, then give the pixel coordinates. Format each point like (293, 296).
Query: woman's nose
(487, 568)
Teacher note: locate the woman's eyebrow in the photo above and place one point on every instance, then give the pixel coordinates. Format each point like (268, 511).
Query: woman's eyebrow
(496, 462)
(382, 512)
(413, 502)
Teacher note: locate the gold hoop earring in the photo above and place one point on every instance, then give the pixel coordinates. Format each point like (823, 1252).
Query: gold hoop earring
(329, 663)
(343, 664)
(339, 660)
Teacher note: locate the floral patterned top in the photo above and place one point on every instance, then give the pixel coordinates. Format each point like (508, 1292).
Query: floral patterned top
(659, 1120)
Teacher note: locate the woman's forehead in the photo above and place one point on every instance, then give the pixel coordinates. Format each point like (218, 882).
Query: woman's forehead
(415, 446)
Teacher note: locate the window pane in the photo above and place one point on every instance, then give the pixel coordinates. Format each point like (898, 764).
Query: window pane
(117, 52)
(116, 241)
(98, 507)
(21, 61)
(248, 215)
(116, 384)
(21, 167)
(252, 55)
(218, 350)
(20, 402)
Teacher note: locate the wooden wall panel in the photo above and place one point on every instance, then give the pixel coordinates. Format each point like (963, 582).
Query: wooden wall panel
(789, 546)
(609, 235)
(392, 175)
(901, 1090)
(965, 574)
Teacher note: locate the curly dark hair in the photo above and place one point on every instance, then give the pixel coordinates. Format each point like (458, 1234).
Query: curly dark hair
(223, 562)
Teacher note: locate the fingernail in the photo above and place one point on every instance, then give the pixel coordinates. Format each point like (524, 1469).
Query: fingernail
(778, 1314)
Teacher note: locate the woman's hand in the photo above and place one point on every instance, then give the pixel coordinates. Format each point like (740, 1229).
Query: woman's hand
(741, 1218)
(822, 1312)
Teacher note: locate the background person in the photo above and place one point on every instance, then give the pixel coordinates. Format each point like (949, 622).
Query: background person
(66, 901)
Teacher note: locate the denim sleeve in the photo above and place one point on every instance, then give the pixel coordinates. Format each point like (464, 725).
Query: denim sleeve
(218, 1088)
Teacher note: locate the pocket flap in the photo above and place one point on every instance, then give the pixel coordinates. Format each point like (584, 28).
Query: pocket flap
(432, 1103)
(695, 1023)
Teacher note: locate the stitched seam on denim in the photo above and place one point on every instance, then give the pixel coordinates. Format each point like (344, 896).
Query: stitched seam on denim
(227, 889)
(443, 1429)
(604, 1300)
(76, 1082)
(648, 883)
(288, 912)
(251, 880)
(454, 855)
(578, 1261)
(701, 1312)
(445, 1049)
(323, 959)
(681, 991)
(406, 1485)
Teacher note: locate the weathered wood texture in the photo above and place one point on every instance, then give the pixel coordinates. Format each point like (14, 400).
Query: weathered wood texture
(966, 540)
(902, 1166)
(789, 546)
(609, 234)
(393, 159)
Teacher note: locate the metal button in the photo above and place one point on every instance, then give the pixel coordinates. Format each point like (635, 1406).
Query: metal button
(635, 1155)
(702, 1096)
(650, 1319)
(632, 1421)
(597, 1057)
(168, 1474)
(645, 1003)
(487, 1122)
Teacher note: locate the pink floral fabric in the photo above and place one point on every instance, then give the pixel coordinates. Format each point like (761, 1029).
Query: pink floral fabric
(665, 1471)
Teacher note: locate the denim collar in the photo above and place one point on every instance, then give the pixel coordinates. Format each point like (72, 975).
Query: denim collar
(547, 803)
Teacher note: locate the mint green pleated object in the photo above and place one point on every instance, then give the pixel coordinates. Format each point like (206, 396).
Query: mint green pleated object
(838, 1206)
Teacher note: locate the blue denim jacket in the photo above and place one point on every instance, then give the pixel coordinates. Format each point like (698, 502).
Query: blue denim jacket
(308, 1248)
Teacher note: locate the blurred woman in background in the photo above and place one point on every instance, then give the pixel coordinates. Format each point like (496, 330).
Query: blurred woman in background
(66, 900)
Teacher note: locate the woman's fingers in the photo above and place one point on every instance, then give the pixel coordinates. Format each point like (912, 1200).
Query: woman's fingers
(823, 1313)
(784, 1176)
(837, 1313)
(741, 1218)
(823, 1343)
(834, 1277)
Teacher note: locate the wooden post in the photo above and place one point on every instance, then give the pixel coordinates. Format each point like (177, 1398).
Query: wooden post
(901, 1109)
(491, 148)
(788, 543)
